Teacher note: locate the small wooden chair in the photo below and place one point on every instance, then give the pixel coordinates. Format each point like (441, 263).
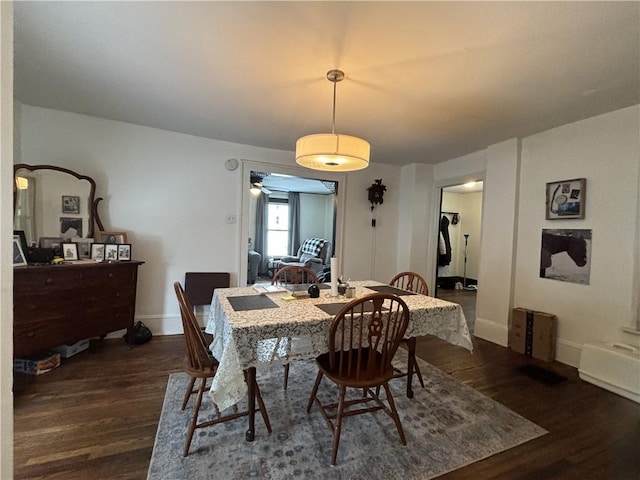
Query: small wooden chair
(413, 282)
(363, 339)
(201, 364)
(292, 275)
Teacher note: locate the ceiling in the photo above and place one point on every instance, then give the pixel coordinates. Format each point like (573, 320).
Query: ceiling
(425, 81)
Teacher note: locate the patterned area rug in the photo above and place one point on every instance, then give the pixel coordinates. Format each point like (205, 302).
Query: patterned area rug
(447, 424)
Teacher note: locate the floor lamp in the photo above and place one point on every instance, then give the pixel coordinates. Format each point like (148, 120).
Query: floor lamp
(464, 281)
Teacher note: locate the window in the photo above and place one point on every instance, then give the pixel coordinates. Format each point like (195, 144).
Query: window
(278, 228)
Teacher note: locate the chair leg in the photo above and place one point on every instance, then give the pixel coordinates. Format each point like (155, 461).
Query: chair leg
(394, 413)
(338, 426)
(314, 391)
(188, 392)
(194, 418)
(286, 376)
(262, 408)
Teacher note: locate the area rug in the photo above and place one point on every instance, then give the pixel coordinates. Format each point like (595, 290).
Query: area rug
(448, 425)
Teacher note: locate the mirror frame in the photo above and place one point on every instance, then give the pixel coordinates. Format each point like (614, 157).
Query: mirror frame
(94, 218)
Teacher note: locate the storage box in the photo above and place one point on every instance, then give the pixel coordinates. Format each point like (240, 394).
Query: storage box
(533, 333)
(67, 351)
(38, 364)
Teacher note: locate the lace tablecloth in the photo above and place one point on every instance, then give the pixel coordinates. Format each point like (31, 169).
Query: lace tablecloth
(244, 339)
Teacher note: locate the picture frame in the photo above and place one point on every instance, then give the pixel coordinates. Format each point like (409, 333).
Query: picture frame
(70, 251)
(84, 246)
(124, 252)
(103, 236)
(19, 258)
(565, 199)
(54, 243)
(97, 252)
(23, 240)
(71, 227)
(110, 252)
(70, 204)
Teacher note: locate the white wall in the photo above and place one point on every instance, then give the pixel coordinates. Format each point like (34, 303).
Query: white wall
(316, 219)
(171, 193)
(369, 252)
(6, 240)
(604, 150)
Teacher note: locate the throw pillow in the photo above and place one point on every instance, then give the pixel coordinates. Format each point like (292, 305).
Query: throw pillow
(312, 246)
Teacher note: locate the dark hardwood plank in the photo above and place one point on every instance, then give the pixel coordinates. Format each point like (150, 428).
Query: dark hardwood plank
(95, 416)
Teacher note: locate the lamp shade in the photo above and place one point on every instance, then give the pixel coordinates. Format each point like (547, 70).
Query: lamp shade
(332, 152)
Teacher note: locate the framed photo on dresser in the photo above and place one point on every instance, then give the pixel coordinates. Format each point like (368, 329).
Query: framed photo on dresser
(124, 252)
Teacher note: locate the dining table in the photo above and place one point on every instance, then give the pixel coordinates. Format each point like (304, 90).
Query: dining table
(253, 327)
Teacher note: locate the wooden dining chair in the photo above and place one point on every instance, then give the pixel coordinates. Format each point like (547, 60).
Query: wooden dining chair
(291, 275)
(363, 339)
(294, 275)
(413, 282)
(201, 364)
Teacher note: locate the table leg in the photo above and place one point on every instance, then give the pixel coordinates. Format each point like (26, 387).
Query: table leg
(251, 400)
(411, 344)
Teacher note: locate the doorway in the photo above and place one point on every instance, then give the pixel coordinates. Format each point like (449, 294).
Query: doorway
(284, 211)
(459, 246)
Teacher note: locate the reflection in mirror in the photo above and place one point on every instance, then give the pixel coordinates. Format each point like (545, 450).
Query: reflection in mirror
(53, 202)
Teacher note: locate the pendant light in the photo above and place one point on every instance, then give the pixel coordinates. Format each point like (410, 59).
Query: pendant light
(331, 151)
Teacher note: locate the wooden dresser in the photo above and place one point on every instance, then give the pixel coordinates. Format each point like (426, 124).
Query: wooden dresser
(62, 304)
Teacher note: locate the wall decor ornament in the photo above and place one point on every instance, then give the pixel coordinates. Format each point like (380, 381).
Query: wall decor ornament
(376, 193)
(566, 199)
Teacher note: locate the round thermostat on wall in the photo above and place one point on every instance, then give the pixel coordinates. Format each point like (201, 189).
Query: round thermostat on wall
(231, 164)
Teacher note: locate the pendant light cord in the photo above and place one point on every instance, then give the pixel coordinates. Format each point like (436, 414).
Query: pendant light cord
(333, 125)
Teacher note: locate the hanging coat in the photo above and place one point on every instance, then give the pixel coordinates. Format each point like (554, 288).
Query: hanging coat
(445, 259)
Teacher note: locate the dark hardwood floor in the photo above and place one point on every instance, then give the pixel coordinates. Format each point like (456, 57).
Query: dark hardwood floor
(95, 416)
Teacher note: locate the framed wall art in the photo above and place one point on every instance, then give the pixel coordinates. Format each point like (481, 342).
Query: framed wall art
(566, 199)
(70, 204)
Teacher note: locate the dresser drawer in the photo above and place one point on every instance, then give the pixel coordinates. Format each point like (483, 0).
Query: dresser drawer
(106, 320)
(106, 298)
(35, 334)
(54, 280)
(118, 276)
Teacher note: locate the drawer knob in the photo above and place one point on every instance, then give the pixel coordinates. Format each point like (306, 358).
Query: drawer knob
(110, 275)
(31, 334)
(48, 281)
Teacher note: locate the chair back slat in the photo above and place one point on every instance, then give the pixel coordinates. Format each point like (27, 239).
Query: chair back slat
(411, 281)
(365, 335)
(198, 355)
(293, 274)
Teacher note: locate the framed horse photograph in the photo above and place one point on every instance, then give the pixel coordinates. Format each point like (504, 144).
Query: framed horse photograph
(566, 199)
(566, 255)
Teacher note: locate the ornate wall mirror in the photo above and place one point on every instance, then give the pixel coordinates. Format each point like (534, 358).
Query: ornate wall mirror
(54, 202)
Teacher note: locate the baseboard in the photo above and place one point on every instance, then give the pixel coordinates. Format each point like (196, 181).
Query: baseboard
(613, 367)
(491, 331)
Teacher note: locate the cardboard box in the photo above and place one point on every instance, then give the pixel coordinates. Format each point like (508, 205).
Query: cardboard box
(67, 351)
(38, 364)
(544, 336)
(533, 334)
(517, 332)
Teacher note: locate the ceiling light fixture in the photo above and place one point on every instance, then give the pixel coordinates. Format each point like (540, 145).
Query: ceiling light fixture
(332, 151)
